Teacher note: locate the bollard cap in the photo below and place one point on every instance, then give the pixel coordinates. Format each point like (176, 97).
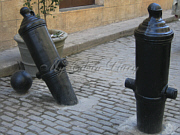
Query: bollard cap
(30, 21)
(155, 10)
(154, 28)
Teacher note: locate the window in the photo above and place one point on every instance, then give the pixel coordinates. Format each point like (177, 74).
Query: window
(75, 3)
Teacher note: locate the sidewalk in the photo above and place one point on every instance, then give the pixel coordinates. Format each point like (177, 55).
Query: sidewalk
(79, 41)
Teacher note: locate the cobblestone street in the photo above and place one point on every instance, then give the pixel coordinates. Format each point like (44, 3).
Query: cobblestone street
(105, 106)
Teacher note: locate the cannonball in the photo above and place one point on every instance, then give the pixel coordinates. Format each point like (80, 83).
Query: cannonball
(21, 81)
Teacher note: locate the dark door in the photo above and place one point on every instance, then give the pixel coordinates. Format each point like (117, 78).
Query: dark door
(75, 3)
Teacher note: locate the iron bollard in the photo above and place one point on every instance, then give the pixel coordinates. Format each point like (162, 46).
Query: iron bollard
(42, 49)
(153, 46)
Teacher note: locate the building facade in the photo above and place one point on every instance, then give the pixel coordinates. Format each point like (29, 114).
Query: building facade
(74, 15)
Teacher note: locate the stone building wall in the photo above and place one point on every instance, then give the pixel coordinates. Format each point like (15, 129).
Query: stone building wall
(73, 19)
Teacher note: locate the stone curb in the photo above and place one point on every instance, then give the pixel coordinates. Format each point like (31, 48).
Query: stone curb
(92, 43)
(15, 65)
(95, 42)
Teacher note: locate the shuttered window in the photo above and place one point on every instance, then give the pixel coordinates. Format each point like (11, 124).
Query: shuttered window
(75, 3)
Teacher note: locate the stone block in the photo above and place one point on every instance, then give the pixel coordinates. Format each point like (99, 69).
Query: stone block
(144, 7)
(169, 4)
(138, 1)
(93, 25)
(99, 2)
(120, 13)
(137, 10)
(18, 24)
(52, 22)
(126, 2)
(75, 19)
(129, 11)
(0, 12)
(8, 29)
(12, 14)
(1, 32)
(61, 19)
(110, 3)
(52, 131)
(7, 44)
(94, 16)
(109, 14)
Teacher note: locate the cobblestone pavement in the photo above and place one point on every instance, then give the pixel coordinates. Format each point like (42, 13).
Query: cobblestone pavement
(105, 105)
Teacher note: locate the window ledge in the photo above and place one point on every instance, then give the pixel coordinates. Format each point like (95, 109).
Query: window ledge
(79, 7)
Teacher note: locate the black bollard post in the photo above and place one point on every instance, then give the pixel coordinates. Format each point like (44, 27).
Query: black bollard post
(42, 49)
(153, 46)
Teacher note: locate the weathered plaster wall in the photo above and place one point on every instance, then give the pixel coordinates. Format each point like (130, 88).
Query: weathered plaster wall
(74, 20)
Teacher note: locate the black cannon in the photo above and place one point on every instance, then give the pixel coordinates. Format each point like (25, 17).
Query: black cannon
(153, 46)
(42, 49)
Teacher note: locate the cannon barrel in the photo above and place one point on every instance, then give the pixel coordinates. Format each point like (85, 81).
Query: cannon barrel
(153, 40)
(52, 68)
